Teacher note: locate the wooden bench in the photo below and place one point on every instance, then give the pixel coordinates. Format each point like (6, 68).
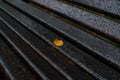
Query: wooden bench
(90, 32)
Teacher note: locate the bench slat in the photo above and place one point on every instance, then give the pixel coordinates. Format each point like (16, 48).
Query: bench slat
(99, 24)
(13, 67)
(107, 7)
